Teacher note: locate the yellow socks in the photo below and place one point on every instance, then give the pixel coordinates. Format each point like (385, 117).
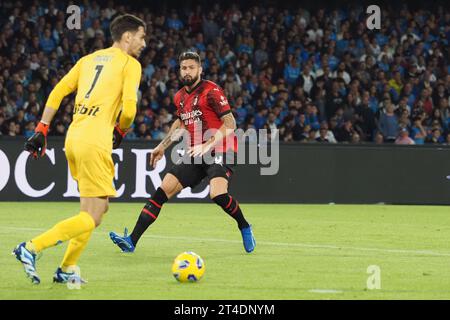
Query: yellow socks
(63, 231)
(74, 250)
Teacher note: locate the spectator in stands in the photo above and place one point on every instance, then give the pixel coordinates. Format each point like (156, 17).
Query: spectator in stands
(344, 134)
(322, 135)
(268, 59)
(328, 134)
(311, 136)
(403, 137)
(379, 139)
(388, 124)
(356, 138)
(292, 70)
(435, 137)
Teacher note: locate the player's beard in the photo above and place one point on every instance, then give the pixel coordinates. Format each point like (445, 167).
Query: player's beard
(137, 53)
(187, 82)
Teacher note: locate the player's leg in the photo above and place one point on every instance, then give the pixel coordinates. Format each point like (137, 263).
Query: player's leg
(96, 207)
(26, 252)
(219, 175)
(180, 176)
(94, 171)
(219, 194)
(149, 213)
(170, 186)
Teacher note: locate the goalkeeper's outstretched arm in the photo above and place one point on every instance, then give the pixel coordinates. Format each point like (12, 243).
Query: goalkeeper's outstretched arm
(37, 143)
(65, 86)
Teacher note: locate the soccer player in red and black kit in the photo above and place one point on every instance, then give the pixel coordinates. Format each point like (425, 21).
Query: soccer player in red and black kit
(201, 105)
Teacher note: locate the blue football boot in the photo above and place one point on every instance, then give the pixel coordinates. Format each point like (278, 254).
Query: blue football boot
(248, 239)
(124, 243)
(28, 260)
(65, 277)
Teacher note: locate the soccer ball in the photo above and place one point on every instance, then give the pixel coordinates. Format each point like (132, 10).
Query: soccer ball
(188, 267)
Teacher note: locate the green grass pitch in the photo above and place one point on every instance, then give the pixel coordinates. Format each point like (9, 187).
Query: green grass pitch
(302, 252)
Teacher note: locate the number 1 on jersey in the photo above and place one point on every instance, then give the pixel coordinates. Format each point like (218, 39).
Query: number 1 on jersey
(98, 69)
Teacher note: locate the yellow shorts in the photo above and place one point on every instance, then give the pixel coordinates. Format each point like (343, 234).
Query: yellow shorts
(92, 168)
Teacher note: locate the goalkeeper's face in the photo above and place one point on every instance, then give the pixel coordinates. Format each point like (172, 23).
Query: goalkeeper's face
(137, 42)
(190, 71)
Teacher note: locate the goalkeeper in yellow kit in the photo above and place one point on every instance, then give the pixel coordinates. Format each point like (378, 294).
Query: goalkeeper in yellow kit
(106, 82)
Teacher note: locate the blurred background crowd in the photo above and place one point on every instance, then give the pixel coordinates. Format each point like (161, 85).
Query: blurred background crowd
(317, 74)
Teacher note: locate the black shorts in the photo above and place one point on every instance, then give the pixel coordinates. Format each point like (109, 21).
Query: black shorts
(191, 174)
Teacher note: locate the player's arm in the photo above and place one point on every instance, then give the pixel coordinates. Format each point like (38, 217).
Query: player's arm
(217, 101)
(172, 135)
(132, 78)
(227, 128)
(37, 143)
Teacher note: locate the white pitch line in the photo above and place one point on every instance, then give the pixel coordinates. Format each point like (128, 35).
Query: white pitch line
(325, 291)
(268, 243)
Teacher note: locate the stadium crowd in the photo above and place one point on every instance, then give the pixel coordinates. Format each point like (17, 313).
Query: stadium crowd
(317, 76)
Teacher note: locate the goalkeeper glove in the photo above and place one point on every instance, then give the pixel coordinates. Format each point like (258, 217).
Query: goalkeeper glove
(118, 135)
(37, 143)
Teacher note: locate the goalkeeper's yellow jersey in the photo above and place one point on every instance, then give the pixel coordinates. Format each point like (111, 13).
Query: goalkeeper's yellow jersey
(105, 81)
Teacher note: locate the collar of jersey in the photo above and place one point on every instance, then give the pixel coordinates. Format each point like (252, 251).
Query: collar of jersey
(194, 88)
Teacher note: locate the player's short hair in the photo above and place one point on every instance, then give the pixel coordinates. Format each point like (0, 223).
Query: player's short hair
(187, 55)
(124, 23)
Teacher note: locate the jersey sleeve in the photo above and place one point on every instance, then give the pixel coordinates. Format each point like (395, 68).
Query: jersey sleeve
(71, 78)
(218, 102)
(176, 101)
(67, 85)
(131, 80)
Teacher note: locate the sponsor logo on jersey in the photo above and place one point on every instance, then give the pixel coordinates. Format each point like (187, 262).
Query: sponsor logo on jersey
(82, 109)
(191, 116)
(223, 101)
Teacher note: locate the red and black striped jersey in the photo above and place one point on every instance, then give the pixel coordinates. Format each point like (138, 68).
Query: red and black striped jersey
(201, 109)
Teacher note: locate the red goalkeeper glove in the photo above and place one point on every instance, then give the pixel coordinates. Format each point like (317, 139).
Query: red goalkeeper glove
(118, 135)
(37, 143)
